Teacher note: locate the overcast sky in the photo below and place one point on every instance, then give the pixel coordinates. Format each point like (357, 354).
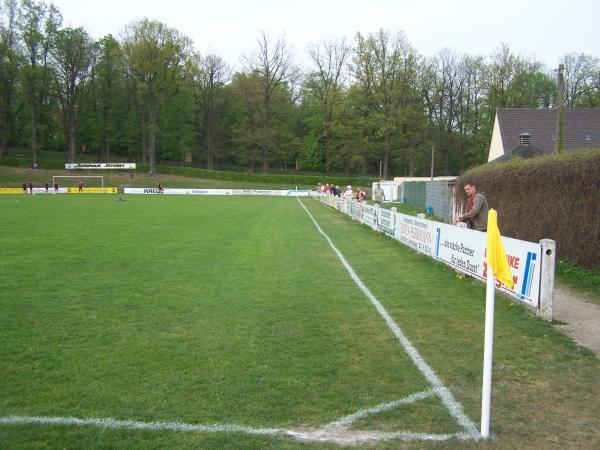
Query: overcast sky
(544, 30)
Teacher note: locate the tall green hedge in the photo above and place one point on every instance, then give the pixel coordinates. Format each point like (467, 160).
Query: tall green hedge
(556, 197)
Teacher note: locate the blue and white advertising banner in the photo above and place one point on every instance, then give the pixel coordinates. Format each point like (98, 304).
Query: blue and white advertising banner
(465, 249)
(172, 191)
(458, 247)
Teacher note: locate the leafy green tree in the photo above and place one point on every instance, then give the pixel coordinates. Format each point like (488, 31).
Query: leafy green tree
(10, 66)
(154, 56)
(312, 153)
(383, 67)
(73, 54)
(110, 87)
(38, 23)
(326, 85)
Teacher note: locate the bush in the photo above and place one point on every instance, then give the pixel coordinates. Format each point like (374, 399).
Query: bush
(556, 197)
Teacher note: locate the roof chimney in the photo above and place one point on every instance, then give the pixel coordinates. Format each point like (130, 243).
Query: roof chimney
(525, 139)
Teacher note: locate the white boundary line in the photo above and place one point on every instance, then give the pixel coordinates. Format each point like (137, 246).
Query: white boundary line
(336, 432)
(454, 408)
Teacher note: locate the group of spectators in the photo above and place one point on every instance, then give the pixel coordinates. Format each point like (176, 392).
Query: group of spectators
(475, 217)
(359, 194)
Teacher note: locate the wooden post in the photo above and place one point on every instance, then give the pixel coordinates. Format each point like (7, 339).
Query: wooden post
(560, 108)
(432, 160)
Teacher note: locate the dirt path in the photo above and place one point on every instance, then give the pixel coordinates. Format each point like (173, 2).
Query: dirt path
(581, 318)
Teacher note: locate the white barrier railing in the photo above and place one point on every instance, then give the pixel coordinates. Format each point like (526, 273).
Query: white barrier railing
(194, 191)
(461, 248)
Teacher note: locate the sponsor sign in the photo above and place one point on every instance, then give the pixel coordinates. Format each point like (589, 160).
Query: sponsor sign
(370, 216)
(95, 166)
(11, 191)
(387, 221)
(465, 250)
(416, 233)
(169, 191)
(36, 190)
(459, 248)
(92, 190)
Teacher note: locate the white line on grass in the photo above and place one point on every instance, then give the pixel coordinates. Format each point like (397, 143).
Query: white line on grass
(348, 420)
(442, 391)
(339, 435)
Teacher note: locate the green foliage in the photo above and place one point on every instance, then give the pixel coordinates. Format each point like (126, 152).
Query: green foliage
(312, 154)
(579, 278)
(149, 96)
(555, 196)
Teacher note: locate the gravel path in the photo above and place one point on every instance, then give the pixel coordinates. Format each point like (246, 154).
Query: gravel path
(581, 317)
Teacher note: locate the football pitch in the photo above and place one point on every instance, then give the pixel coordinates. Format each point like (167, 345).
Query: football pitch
(246, 322)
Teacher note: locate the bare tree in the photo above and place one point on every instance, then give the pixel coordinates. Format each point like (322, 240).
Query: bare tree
(211, 74)
(273, 64)
(330, 59)
(580, 74)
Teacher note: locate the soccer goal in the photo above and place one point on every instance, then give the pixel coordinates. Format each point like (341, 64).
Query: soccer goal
(95, 180)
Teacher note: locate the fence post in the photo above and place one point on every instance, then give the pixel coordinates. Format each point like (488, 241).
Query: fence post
(547, 278)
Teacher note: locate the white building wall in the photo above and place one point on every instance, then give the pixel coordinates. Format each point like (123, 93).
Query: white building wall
(496, 147)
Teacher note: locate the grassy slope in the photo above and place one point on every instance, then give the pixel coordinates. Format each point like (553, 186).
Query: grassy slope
(15, 177)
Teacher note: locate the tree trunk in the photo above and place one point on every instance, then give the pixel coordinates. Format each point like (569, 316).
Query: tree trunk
(34, 153)
(386, 156)
(152, 124)
(144, 137)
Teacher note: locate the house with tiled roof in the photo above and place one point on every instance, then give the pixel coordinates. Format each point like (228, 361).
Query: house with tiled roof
(528, 132)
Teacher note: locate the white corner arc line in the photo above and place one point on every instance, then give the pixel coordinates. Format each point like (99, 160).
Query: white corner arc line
(454, 408)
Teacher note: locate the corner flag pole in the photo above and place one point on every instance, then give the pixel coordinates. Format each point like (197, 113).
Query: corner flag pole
(497, 268)
(486, 391)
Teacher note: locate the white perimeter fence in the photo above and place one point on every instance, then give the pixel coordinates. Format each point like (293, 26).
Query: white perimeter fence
(267, 192)
(531, 264)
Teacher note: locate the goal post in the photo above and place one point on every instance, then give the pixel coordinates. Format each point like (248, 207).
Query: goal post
(55, 178)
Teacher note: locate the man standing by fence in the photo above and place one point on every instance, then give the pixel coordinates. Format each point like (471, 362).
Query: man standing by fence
(378, 195)
(477, 209)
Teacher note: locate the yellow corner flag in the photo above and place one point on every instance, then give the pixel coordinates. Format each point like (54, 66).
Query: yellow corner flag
(496, 255)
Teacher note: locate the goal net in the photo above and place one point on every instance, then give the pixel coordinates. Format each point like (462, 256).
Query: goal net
(73, 180)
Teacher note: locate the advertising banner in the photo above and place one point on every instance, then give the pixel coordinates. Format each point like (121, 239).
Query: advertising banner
(95, 166)
(93, 190)
(416, 233)
(458, 247)
(465, 249)
(387, 221)
(173, 191)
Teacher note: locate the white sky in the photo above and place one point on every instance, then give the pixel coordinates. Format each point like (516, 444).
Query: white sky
(540, 29)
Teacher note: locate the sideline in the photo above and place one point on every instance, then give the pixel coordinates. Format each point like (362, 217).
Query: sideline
(454, 408)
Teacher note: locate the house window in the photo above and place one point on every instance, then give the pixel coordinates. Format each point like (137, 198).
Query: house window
(588, 138)
(553, 138)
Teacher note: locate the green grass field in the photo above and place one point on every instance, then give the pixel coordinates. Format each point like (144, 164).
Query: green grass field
(234, 311)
